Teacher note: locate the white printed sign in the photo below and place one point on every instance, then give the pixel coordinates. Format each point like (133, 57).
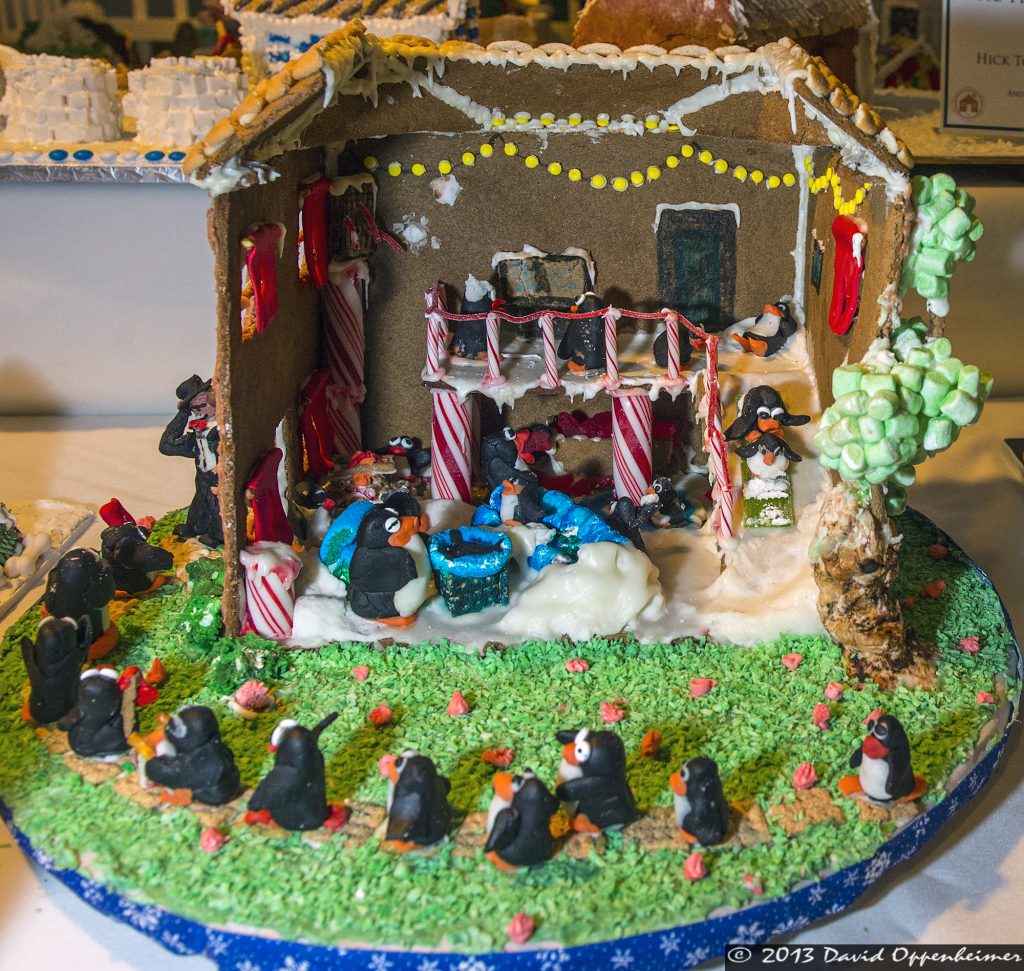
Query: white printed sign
(983, 66)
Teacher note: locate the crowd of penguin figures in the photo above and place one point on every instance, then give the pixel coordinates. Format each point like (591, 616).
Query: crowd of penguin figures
(187, 757)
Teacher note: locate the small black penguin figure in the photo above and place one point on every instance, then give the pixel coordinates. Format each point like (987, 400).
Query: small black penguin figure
(201, 762)
(593, 777)
(762, 411)
(54, 665)
(520, 500)
(768, 456)
(410, 458)
(668, 510)
(313, 512)
(133, 561)
(470, 340)
(519, 821)
(294, 792)
(701, 810)
(418, 809)
(628, 519)
(501, 459)
(661, 348)
(773, 327)
(408, 507)
(389, 572)
(96, 725)
(582, 346)
(883, 762)
(81, 583)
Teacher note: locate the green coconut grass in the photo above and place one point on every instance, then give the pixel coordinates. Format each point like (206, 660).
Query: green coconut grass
(756, 722)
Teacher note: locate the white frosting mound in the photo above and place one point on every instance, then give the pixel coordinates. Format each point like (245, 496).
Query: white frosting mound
(176, 100)
(59, 99)
(603, 593)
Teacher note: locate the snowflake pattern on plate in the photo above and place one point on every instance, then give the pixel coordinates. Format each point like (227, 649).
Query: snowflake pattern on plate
(622, 959)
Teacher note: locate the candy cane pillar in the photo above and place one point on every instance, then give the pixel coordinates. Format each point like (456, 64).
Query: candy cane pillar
(632, 425)
(270, 570)
(451, 446)
(345, 344)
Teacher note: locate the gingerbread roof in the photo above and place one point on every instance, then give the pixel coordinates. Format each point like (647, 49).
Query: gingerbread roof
(277, 113)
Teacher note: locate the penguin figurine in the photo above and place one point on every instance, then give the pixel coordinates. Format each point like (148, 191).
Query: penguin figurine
(54, 664)
(601, 791)
(582, 346)
(82, 583)
(883, 763)
(702, 814)
(418, 809)
(661, 348)
(470, 339)
(134, 562)
(519, 821)
(390, 571)
(312, 512)
(201, 762)
(761, 411)
(768, 456)
(773, 327)
(520, 502)
(407, 505)
(628, 519)
(410, 458)
(294, 792)
(668, 510)
(501, 456)
(96, 725)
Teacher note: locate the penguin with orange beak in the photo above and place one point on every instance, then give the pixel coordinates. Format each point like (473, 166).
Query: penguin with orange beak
(519, 821)
(582, 346)
(702, 814)
(884, 774)
(418, 811)
(773, 327)
(762, 412)
(390, 570)
(601, 791)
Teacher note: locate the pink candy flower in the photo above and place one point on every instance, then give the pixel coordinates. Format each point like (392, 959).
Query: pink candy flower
(701, 686)
(577, 665)
(254, 696)
(520, 928)
(822, 713)
(694, 868)
(792, 661)
(934, 590)
(385, 764)
(380, 716)
(985, 698)
(804, 776)
(611, 713)
(834, 691)
(500, 758)
(753, 884)
(212, 840)
(361, 672)
(937, 551)
(458, 705)
(970, 645)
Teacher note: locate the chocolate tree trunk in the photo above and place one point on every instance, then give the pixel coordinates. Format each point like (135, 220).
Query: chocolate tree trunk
(855, 562)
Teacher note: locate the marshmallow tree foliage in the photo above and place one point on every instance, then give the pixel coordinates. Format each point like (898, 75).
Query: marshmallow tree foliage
(905, 401)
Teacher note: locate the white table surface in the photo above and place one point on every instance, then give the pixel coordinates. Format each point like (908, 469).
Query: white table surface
(965, 887)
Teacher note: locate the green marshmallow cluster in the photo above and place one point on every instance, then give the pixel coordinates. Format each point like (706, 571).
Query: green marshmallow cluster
(945, 232)
(907, 400)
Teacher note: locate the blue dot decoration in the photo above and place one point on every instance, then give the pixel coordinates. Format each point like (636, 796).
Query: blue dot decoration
(154, 156)
(58, 155)
(82, 155)
(176, 156)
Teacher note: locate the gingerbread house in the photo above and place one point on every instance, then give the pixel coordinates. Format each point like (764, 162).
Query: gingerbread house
(357, 189)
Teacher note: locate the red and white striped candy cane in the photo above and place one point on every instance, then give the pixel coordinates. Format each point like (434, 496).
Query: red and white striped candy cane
(611, 349)
(346, 346)
(494, 377)
(437, 332)
(632, 424)
(672, 343)
(547, 328)
(722, 490)
(451, 432)
(270, 571)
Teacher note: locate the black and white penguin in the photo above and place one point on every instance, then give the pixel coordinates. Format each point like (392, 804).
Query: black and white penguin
(54, 664)
(201, 762)
(668, 510)
(502, 456)
(768, 456)
(773, 327)
(134, 562)
(390, 571)
(313, 512)
(628, 519)
(418, 809)
(520, 500)
(96, 725)
(470, 338)
(601, 791)
(410, 458)
(883, 761)
(294, 792)
(702, 814)
(582, 345)
(519, 821)
(661, 347)
(761, 411)
(81, 584)
(407, 505)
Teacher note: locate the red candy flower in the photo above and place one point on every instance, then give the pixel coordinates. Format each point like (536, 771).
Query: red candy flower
(970, 645)
(804, 776)
(500, 758)
(361, 672)
(576, 665)
(694, 868)
(211, 840)
(380, 716)
(611, 713)
(792, 661)
(934, 590)
(520, 928)
(458, 705)
(701, 686)
(822, 713)
(938, 551)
